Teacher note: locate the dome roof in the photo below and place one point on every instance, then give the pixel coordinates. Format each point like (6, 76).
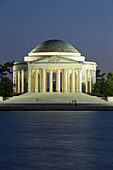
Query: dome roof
(54, 46)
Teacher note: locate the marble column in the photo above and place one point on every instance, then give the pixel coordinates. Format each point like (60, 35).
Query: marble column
(36, 82)
(43, 88)
(77, 80)
(29, 80)
(46, 80)
(68, 82)
(18, 81)
(13, 80)
(90, 87)
(86, 81)
(22, 81)
(58, 80)
(65, 75)
(40, 81)
(63, 83)
(73, 80)
(94, 77)
(51, 81)
(80, 80)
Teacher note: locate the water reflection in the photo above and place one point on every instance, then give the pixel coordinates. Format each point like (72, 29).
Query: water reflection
(56, 140)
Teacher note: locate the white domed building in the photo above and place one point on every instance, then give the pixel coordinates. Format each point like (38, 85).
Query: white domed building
(54, 66)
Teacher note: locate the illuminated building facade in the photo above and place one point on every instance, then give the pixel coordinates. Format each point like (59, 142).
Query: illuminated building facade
(54, 66)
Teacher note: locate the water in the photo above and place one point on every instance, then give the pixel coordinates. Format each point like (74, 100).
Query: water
(56, 140)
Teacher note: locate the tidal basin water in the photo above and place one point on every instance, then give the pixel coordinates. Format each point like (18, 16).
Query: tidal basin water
(56, 140)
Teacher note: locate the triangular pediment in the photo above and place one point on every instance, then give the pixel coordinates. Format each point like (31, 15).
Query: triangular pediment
(55, 59)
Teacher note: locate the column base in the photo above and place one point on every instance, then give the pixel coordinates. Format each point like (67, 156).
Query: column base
(29, 92)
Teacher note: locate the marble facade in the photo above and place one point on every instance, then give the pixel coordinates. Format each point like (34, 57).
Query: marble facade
(51, 69)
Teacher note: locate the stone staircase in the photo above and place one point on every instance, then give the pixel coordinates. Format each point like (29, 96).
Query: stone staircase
(56, 98)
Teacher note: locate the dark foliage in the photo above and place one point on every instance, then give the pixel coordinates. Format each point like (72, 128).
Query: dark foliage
(103, 86)
(6, 85)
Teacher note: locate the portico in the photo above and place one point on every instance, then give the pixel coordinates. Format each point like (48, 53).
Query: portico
(43, 80)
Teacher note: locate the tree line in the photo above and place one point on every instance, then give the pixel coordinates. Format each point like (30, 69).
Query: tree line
(103, 85)
(6, 85)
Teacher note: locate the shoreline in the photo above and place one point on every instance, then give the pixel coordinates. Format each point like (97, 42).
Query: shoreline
(55, 107)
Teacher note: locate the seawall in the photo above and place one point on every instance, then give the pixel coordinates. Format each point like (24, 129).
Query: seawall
(55, 107)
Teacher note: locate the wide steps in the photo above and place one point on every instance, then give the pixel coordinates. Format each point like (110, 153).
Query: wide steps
(55, 98)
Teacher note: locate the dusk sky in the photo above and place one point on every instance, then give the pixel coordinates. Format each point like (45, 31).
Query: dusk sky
(85, 24)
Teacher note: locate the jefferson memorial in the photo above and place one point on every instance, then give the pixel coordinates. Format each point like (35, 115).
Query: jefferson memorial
(54, 66)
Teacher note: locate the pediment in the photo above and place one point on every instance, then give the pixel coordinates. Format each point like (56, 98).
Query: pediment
(54, 59)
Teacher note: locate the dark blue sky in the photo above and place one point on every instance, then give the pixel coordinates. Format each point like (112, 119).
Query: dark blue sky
(86, 24)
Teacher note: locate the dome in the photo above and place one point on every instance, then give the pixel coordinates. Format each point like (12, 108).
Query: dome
(51, 48)
(54, 46)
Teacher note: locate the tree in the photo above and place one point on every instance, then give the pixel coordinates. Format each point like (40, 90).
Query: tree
(6, 85)
(108, 91)
(6, 68)
(103, 86)
(100, 83)
(2, 91)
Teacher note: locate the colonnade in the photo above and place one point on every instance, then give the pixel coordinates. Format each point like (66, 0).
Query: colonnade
(71, 80)
(75, 84)
(90, 80)
(18, 81)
